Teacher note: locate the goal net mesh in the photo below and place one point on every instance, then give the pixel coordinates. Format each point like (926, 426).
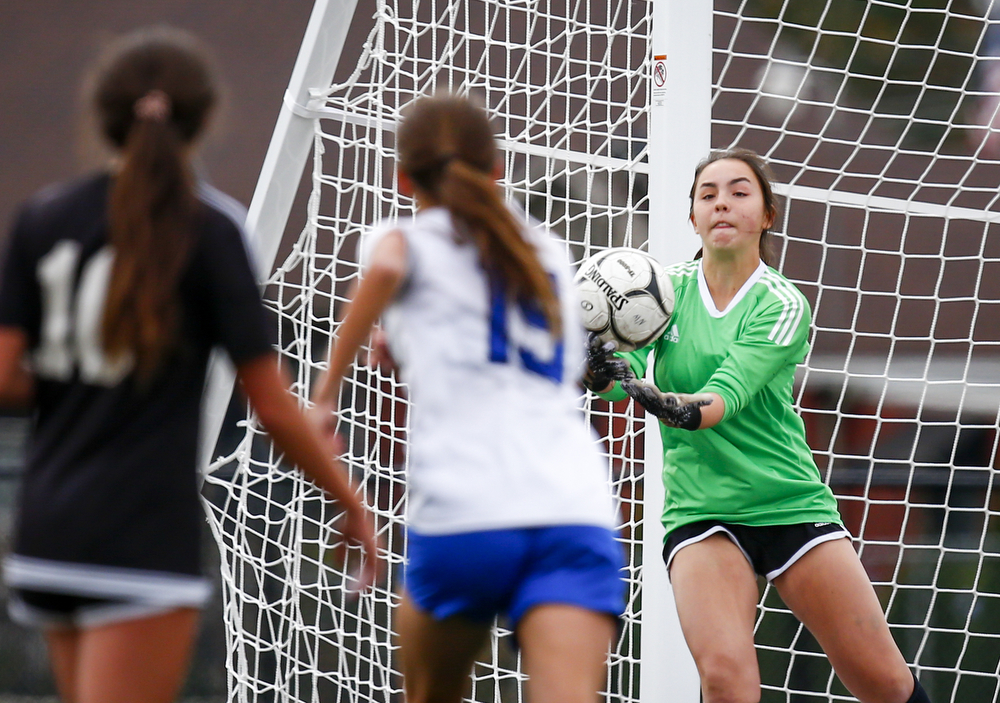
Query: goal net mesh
(880, 122)
(565, 83)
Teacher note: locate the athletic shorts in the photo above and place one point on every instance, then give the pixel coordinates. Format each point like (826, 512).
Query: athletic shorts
(60, 610)
(479, 575)
(770, 549)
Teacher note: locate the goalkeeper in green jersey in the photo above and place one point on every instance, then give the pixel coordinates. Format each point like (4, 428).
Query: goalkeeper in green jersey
(743, 495)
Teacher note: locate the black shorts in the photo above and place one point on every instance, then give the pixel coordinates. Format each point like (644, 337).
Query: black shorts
(770, 549)
(48, 592)
(56, 610)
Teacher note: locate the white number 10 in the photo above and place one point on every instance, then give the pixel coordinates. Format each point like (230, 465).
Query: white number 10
(71, 329)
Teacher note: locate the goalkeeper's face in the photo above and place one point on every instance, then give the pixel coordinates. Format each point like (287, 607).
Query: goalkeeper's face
(728, 211)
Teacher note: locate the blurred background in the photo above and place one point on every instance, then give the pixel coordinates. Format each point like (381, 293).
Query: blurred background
(878, 126)
(46, 47)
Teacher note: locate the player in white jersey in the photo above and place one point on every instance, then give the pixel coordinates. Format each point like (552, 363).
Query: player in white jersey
(509, 505)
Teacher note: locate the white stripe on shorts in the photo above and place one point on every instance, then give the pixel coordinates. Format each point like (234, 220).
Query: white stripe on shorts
(94, 615)
(771, 575)
(113, 583)
(715, 529)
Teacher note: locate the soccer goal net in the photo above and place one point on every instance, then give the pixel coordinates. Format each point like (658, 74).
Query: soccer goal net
(878, 119)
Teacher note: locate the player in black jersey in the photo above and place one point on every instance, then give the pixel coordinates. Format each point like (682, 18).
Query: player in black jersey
(115, 289)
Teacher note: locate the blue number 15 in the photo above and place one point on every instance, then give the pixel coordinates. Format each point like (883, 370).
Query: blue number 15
(500, 336)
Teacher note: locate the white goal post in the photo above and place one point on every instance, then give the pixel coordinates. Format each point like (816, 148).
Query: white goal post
(679, 137)
(280, 176)
(880, 121)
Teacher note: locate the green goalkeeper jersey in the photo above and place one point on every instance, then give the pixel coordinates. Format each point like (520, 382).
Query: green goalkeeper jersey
(754, 467)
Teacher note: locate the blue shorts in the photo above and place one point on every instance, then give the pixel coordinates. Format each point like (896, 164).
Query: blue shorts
(479, 575)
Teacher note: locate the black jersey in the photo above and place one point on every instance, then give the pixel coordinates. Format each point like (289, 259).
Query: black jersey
(110, 492)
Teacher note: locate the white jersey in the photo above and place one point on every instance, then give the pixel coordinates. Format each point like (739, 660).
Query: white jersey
(497, 437)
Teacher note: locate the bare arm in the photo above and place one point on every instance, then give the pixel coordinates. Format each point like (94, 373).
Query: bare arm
(711, 414)
(377, 289)
(266, 385)
(17, 385)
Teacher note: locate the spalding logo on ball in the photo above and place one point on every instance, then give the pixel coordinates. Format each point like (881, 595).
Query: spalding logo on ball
(625, 297)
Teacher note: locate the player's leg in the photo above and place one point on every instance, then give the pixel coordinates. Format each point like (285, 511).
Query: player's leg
(455, 586)
(565, 608)
(143, 660)
(63, 645)
(564, 649)
(54, 614)
(829, 591)
(715, 590)
(437, 655)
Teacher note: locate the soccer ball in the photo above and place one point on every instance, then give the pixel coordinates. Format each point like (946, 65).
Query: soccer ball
(625, 297)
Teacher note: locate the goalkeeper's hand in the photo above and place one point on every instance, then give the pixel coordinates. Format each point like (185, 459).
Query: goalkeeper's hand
(603, 367)
(673, 409)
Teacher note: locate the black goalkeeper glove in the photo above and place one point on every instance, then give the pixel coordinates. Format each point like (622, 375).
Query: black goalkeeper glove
(603, 366)
(672, 409)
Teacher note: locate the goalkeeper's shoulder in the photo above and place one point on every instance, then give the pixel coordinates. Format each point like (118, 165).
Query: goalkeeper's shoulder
(683, 270)
(683, 273)
(783, 308)
(781, 292)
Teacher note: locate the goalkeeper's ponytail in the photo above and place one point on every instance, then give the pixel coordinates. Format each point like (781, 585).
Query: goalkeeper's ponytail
(447, 149)
(152, 94)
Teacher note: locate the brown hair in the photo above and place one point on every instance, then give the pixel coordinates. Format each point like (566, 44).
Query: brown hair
(446, 147)
(152, 93)
(764, 177)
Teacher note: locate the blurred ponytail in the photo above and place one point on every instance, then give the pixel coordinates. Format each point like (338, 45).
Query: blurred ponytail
(152, 95)
(446, 147)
